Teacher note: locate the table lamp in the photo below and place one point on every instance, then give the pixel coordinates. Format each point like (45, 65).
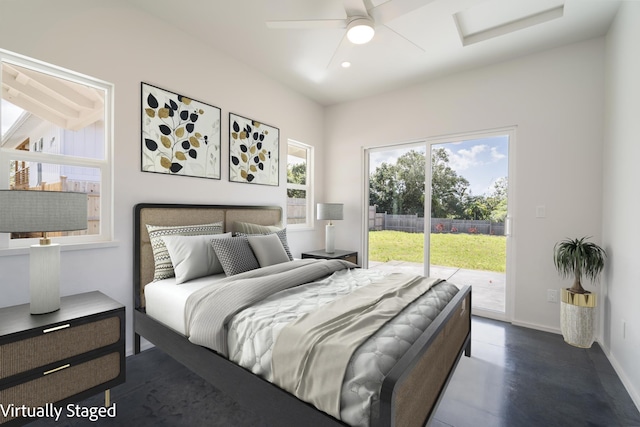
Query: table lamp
(27, 211)
(330, 212)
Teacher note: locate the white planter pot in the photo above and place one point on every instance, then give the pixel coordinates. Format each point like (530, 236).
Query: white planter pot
(577, 318)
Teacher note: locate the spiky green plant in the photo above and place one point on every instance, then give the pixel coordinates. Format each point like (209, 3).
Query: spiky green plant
(578, 257)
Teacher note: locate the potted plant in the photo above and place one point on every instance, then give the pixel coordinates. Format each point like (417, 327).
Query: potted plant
(577, 258)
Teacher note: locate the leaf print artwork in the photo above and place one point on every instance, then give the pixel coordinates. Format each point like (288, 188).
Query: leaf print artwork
(253, 151)
(180, 136)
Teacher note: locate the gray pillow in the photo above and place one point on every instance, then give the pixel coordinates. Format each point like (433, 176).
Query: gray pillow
(193, 256)
(282, 235)
(268, 249)
(235, 255)
(161, 258)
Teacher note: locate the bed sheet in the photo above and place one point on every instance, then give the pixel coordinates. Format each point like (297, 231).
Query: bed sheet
(165, 301)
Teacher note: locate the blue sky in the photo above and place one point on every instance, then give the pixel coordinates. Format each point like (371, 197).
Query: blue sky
(10, 113)
(480, 161)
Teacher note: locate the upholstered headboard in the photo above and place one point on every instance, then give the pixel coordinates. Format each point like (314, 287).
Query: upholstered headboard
(174, 214)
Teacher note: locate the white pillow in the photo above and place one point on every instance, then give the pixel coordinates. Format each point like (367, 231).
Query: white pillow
(268, 249)
(193, 256)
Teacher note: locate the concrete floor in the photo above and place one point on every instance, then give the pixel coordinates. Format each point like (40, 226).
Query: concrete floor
(487, 286)
(515, 377)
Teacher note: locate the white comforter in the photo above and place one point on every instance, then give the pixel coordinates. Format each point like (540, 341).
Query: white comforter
(253, 331)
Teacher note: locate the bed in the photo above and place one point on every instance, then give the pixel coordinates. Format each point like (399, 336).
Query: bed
(409, 392)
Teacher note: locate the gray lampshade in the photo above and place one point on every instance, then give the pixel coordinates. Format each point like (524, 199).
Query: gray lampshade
(330, 211)
(23, 211)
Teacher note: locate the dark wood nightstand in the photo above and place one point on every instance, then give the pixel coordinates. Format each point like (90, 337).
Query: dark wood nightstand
(60, 357)
(351, 256)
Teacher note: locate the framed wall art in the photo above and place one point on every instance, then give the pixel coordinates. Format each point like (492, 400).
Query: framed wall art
(180, 136)
(253, 151)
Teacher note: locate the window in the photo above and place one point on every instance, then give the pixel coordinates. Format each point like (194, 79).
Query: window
(299, 188)
(56, 131)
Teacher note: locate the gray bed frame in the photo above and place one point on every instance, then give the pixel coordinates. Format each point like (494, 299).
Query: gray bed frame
(410, 392)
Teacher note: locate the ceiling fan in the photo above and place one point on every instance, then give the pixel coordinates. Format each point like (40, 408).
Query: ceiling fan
(361, 21)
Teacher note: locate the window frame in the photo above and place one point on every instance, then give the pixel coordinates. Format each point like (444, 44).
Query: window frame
(308, 187)
(104, 165)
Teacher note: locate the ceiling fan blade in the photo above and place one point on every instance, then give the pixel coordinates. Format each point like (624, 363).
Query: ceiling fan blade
(397, 34)
(341, 52)
(308, 24)
(390, 10)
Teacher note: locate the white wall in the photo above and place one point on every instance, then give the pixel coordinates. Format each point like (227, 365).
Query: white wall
(116, 43)
(621, 203)
(556, 100)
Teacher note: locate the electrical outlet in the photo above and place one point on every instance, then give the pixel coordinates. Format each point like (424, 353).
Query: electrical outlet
(552, 295)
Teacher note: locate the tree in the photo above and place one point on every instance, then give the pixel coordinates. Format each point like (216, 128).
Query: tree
(400, 188)
(477, 208)
(448, 189)
(384, 189)
(411, 171)
(297, 174)
(497, 200)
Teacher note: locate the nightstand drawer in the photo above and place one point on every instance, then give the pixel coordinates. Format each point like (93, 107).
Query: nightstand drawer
(61, 342)
(62, 382)
(351, 258)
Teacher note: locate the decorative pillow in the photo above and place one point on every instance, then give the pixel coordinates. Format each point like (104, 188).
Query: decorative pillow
(268, 249)
(193, 256)
(164, 268)
(235, 255)
(282, 235)
(250, 228)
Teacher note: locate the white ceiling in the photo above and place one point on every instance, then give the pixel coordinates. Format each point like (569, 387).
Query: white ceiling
(423, 44)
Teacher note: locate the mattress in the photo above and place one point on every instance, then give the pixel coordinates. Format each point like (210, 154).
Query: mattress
(165, 301)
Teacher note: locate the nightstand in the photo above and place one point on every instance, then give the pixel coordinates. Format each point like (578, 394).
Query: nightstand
(351, 256)
(60, 357)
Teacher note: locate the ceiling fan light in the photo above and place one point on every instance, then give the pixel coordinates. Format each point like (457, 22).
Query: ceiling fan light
(360, 31)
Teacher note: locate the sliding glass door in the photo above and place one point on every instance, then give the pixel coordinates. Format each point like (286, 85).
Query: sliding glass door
(396, 208)
(445, 214)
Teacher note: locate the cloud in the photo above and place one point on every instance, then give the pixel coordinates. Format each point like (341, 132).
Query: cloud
(495, 155)
(389, 156)
(464, 158)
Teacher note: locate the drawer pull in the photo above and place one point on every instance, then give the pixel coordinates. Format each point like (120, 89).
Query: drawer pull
(56, 328)
(57, 369)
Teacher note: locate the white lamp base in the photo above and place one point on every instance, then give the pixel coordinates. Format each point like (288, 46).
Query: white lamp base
(330, 239)
(44, 278)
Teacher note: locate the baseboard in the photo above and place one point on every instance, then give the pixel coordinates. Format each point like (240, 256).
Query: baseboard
(633, 393)
(536, 326)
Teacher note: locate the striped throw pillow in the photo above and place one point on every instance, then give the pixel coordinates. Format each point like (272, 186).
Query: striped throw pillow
(163, 266)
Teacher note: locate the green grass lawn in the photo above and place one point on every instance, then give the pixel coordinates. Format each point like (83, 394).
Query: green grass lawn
(471, 251)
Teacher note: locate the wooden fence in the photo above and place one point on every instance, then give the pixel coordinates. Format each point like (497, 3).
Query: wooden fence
(296, 210)
(415, 224)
